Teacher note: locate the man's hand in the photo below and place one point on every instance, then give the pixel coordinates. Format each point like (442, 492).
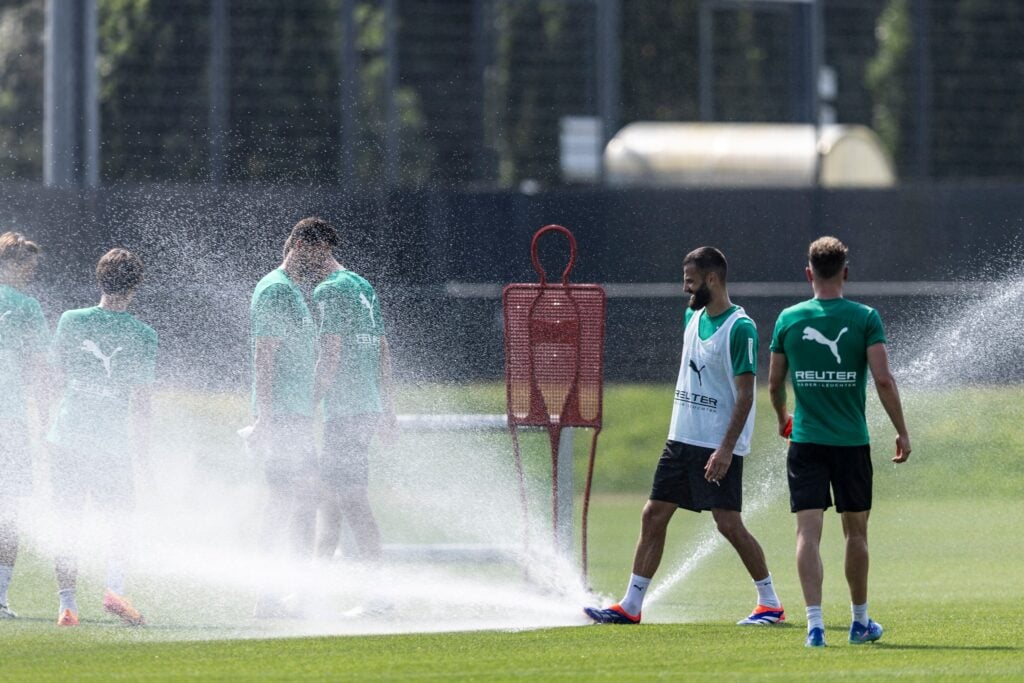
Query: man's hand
(785, 425)
(902, 448)
(717, 466)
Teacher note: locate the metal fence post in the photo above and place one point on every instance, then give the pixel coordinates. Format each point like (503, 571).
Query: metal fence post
(922, 87)
(71, 118)
(349, 95)
(220, 36)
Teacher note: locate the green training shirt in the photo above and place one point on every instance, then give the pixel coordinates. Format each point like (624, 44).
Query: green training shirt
(742, 338)
(102, 354)
(278, 310)
(347, 306)
(23, 333)
(825, 342)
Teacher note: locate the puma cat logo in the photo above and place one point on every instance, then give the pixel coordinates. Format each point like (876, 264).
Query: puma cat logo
(369, 307)
(89, 346)
(811, 334)
(693, 366)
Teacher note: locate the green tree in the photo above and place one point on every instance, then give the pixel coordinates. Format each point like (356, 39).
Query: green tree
(21, 88)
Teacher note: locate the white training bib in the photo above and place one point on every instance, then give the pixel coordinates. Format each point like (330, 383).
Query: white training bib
(706, 390)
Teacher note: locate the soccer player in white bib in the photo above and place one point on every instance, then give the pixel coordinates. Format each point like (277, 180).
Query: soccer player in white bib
(23, 341)
(701, 467)
(826, 345)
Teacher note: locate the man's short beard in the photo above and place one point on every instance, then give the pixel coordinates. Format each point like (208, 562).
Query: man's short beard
(700, 298)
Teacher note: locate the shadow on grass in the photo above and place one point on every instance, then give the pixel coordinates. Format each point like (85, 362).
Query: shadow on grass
(964, 648)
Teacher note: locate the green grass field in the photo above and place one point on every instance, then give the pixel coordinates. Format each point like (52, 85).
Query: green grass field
(946, 577)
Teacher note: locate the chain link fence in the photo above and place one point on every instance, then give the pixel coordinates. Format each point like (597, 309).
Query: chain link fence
(474, 93)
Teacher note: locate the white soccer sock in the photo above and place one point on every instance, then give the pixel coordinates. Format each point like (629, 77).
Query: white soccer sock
(115, 577)
(766, 593)
(5, 581)
(67, 600)
(634, 600)
(814, 619)
(860, 613)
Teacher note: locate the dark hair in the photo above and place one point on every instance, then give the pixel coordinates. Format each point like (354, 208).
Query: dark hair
(708, 260)
(119, 271)
(312, 232)
(827, 257)
(15, 248)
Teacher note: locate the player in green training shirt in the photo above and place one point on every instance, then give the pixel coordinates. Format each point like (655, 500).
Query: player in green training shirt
(284, 353)
(23, 341)
(826, 345)
(353, 378)
(107, 360)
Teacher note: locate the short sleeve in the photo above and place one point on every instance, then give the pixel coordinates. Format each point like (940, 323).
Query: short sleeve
(273, 311)
(778, 337)
(743, 347)
(874, 332)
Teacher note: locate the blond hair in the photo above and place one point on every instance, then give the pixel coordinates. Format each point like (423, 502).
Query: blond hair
(827, 256)
(15, 248)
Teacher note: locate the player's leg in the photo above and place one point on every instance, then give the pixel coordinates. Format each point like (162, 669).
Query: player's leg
(725, 499)
(288, 529)
(69, 484)
(8, 550)
(769, 609)
(304, 490)
(855, 529)
(345, 470)
(852, 481)
(355, 507)
(114, 498)
(671, 489)
(15, 482)
(809, 495)
(330, 519)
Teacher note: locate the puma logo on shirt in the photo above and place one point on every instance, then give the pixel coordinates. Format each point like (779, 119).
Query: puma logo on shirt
(811, 334)
(369, 307)
(89, 346)
(693, 366)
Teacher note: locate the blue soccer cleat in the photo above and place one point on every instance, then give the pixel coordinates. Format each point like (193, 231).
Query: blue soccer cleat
(815, 638)
(613, 615)
(860, 634)
(764, 616)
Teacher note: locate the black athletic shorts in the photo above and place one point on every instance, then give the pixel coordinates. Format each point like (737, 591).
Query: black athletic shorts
(345, 460)
(680, 479)
(813, 468)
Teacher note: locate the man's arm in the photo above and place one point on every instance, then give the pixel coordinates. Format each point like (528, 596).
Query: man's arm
(885, 384)
(263, 369)
(326, 365)
(718, 463)
(777, 371)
